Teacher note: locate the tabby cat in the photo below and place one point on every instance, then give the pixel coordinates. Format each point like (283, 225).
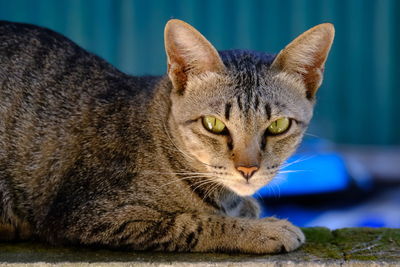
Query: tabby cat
(92, 156)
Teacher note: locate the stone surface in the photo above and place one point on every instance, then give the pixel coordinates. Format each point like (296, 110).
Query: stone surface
(343, 247)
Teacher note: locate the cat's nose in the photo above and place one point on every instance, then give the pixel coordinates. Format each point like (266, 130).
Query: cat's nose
(247, 171)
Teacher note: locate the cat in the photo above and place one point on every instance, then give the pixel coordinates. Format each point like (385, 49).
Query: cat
(92, 156)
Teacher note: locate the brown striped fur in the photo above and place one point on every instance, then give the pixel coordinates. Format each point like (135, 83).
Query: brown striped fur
(92, 156)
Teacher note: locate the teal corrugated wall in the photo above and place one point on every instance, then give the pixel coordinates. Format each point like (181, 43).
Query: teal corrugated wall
(359, 102)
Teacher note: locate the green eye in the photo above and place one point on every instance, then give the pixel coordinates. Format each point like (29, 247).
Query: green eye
(279, 126)
(213, 124)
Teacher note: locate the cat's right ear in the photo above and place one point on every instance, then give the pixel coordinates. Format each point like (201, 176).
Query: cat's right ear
(189, 53)
(305, 57)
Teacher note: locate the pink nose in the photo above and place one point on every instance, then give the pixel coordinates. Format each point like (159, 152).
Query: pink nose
(247, 171)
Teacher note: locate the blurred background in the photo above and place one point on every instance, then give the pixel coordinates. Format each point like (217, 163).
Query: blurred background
(347, 172)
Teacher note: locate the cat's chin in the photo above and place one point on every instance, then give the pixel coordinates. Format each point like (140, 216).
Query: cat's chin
(243, 188)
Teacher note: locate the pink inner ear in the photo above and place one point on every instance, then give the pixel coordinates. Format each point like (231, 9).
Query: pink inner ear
(178, 78)
(306, 56)
(189, 53)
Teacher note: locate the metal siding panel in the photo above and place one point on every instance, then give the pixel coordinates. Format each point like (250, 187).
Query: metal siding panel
(394, 93)
(381, 116)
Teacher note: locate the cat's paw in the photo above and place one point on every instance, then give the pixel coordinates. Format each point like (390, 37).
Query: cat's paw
(277, 236)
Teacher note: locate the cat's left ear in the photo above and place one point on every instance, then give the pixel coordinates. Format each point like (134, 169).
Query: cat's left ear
(189, 53)
(306, 55)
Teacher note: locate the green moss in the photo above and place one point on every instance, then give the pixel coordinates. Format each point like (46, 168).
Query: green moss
(322, 244)
(318, 234)
(368, 243)
(319, 243)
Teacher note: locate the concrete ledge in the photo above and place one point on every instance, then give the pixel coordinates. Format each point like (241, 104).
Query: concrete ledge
(343, 247)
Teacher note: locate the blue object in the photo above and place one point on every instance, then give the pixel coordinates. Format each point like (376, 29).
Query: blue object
(305, 174)
(372, 221)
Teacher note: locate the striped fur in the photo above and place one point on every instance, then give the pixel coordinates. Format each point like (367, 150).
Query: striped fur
(92, 156)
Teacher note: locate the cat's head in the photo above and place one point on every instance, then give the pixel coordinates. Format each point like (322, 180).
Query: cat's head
(241, 113)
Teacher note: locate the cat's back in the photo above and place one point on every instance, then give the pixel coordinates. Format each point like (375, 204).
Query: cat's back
(26, 48)
(44, 79)
(41, 69)
(39, 58)
(49, 85)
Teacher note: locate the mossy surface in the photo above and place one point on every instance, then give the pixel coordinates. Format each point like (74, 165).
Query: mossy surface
(368, 243)
(320, 244)
(323, 245)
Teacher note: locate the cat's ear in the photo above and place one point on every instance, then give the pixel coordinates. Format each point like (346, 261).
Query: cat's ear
(305, 56)
(189, 53)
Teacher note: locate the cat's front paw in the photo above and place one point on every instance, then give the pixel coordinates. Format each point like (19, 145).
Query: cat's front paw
(277, 236)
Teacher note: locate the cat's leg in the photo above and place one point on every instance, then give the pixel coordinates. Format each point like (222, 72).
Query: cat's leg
(139, 229)
(10, 232)
(205, 233)
(7, 232)
(11, 226)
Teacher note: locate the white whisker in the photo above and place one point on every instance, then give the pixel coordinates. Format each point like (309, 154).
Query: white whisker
(259, 195)
(203, 183)
(296, 161)
(210, 190)
(292, 171)
(312, 135)
(274, 185)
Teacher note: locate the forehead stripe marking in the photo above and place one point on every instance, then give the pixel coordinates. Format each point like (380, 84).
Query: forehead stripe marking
(256, 103)
(228, 110)
(239, 102)
(268, 111)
